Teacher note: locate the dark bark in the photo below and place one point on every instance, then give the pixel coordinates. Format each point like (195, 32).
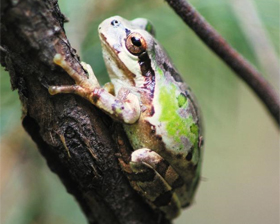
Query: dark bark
(229, 55)
(72, 135)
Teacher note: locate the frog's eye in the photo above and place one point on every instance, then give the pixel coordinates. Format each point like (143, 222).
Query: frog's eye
(135, 44)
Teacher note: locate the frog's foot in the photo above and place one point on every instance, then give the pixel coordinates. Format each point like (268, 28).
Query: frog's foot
(125, 109)
(84, 85)
(153, 178)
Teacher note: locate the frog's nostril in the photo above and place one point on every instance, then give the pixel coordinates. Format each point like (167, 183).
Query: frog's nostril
(115, 22)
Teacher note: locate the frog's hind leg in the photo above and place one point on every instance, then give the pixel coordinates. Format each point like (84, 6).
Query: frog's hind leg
(148, 176)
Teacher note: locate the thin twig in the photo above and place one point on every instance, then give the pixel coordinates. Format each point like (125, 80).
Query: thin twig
(229, 55)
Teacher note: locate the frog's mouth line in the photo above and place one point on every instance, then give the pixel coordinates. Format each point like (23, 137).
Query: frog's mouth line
(115, 58)
(104, 42)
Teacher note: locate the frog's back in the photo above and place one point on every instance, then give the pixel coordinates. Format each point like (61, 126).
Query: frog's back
(170, 124)
(175, 116)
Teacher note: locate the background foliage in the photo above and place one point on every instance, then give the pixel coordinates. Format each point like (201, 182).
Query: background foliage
(241, 161)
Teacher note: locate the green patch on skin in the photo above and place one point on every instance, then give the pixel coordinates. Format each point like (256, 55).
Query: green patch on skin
(149, 27)
(181, 99)
(194, 131)
(176, 125)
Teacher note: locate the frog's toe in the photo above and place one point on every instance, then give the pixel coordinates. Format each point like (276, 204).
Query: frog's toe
(64, 89)
(53, 90)
(60, 61)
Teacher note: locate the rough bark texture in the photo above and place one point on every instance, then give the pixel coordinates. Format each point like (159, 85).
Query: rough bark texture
(72, 135)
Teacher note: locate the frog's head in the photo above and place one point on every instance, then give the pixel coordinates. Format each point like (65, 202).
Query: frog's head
(124, 43)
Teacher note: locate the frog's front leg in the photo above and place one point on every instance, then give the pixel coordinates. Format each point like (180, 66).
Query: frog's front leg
(125, 107)
(153, 177)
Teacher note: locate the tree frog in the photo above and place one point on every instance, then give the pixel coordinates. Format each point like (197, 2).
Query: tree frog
(156, 108)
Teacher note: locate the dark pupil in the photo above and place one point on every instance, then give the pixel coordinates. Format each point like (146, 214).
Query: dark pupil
(114, 22)
(136, 41)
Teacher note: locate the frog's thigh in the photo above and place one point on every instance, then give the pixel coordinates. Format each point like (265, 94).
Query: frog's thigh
(147, 168)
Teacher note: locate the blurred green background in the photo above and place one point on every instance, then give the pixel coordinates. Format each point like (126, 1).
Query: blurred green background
(241, 161)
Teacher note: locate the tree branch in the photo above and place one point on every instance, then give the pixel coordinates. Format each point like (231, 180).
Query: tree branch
(72, 135)
(229, 55)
